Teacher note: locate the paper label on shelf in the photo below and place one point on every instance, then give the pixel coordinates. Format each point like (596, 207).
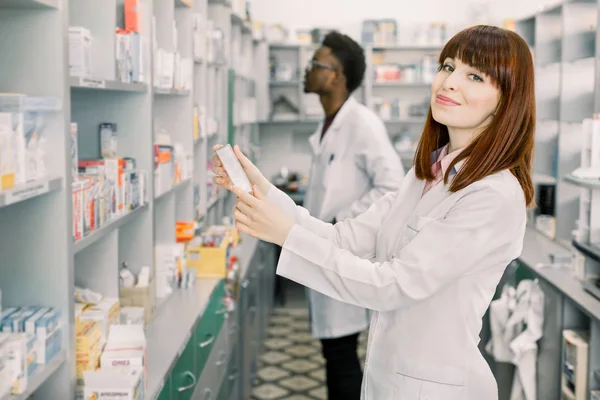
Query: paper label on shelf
(26, 193)
(92, 83)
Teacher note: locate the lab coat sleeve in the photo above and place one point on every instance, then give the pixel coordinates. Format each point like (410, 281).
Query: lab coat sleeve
(356, 235)
(483, 228)
(377, 158)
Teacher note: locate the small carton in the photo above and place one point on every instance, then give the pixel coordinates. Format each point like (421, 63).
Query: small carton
(6, 314)
(20, 348)
(45, 325)
(125, 348)
(141, 297)
(114, 384)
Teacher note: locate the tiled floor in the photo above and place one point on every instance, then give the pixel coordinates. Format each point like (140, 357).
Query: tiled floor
(291, 366)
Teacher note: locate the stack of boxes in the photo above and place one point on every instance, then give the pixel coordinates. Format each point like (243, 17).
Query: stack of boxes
(92, 325)
(167, 262)
(104, 188)
(132, 48)
(29, 336)
(132, 45)
(141, 295)
(172, 165)
(110, 358)
(171, 70)
(123, 367)
(209, 253)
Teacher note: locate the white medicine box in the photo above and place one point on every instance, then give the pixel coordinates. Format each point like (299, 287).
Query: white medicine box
(80, 44)
(114, 384)
(574, 382)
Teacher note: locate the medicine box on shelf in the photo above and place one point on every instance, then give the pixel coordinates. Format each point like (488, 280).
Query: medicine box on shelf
(141, 297)
(575, 365)
(209, 262)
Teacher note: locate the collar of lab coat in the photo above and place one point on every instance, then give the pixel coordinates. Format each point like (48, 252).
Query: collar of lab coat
(447, 159)
(315, 138)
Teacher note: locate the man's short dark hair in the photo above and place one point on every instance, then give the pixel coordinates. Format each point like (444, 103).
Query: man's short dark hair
(350, 54)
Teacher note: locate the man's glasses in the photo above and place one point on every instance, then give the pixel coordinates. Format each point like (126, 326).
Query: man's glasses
(312, 64)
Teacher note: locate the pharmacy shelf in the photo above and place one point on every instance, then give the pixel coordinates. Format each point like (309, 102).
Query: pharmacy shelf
(42, 27)
(290, 121)
(247, 27)
(544, 179)
(593, 184)
(29, 4)
(40, 375)
(212, 202)
(184, 3)
(286, 46)
(402, 84)
(535, 256)
(175, 321)
(98, 234)
(587, 249)
(171, 92)
(237, 18)
(406, 48)
(174, 189)
(284, 83)
(108, 85)
(29, 190)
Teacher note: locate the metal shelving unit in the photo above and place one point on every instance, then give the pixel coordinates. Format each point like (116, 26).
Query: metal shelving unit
(41, 374)
(112, 226)
(41, 211)
(29, 4)
(562, 38)
(171, 92)
(29, 190)
(102, 84)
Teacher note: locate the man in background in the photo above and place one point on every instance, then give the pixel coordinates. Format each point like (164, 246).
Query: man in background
(353, 165)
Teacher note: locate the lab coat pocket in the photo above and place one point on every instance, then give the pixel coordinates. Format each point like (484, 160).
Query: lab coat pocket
(410, 388)
(414, 225)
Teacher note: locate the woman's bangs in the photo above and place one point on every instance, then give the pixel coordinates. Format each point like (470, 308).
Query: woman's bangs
(484, 51)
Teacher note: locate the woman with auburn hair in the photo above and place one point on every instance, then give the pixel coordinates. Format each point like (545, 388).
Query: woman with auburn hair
(427, 258)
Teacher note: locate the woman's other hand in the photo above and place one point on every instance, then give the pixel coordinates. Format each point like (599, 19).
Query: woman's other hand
(252, 172)
(259, 217)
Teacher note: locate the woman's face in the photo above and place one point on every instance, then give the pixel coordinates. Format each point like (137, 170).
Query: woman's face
(462, 98)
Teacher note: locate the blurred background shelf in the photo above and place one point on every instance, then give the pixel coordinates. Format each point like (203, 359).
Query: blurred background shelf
(29, 190)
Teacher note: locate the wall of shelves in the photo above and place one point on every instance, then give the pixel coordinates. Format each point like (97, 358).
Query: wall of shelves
(41, 261)
(562, 38)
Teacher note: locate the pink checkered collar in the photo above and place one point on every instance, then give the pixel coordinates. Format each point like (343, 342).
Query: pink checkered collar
(442, 155)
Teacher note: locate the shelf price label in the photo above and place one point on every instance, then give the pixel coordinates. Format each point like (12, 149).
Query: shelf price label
(25, 193)
(92, 83)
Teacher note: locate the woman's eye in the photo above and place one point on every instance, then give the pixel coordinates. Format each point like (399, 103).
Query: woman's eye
(447, 68)
(476, 78)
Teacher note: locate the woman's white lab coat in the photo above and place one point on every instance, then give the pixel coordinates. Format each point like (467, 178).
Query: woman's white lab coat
(428, 267)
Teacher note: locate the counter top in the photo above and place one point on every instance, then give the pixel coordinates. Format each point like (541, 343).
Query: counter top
(536, 251)
(172, 327)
